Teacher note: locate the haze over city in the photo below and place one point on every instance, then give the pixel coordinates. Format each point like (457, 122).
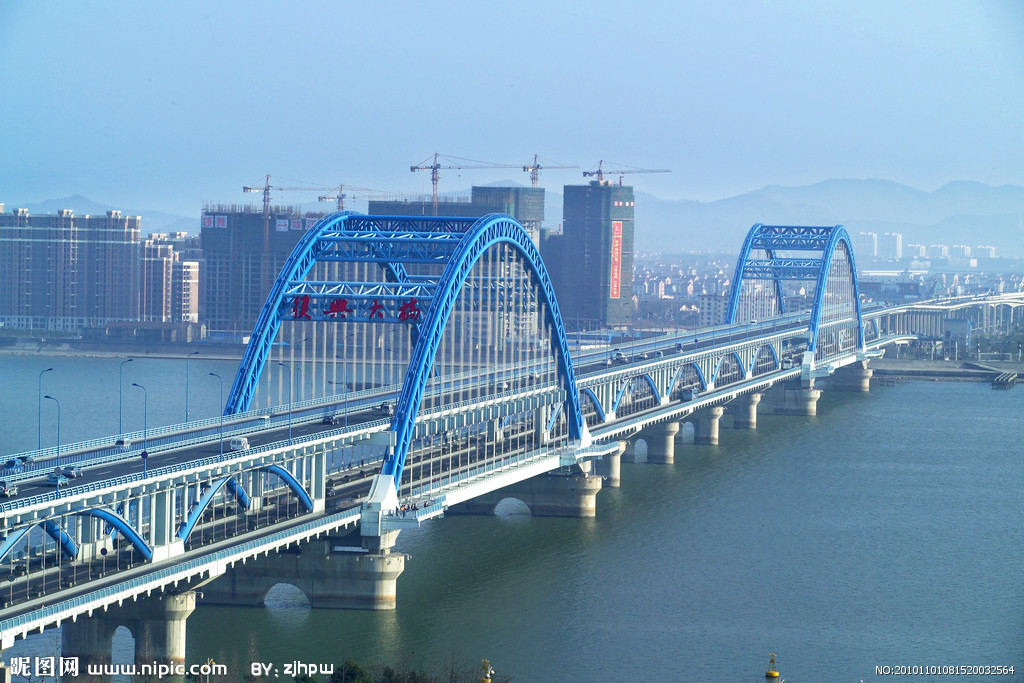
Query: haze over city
(167, 105)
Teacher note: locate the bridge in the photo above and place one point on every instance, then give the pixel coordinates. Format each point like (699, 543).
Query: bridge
(404, 368)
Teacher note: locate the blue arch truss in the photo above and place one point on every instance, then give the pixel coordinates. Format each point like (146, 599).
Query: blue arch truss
(392, 242)
(816, 246)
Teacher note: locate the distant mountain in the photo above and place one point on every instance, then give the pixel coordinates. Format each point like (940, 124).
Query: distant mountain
(152, 221)
(961, 212)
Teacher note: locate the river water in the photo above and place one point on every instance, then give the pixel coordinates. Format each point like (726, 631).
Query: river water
(886, 531)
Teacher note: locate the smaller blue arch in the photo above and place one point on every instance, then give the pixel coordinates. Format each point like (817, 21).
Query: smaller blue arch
(589, 393)
(700, 376)
(292, 483)
(757, 354)
(196, 512)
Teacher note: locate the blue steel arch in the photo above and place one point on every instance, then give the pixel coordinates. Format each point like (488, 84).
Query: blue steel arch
(70, 548)
(757, 354)
(775, 238)
(196, 512)
(486, 232)
(589, 393)
(298, 265)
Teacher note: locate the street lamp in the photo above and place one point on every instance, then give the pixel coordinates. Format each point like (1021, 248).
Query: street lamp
(39, 445)
(290, 384)
(187, 359)
(145, 424)
(221, 379)
(58, 427)
(120, 399)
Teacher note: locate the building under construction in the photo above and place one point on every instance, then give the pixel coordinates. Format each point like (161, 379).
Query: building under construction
(525, 204)
(244, 251)
(591, 261)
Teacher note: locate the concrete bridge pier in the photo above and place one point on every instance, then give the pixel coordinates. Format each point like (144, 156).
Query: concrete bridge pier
(854, 377)
(745, 411)
(706, 427)
(555, 494)
(332, 573)
(157, 623)
(797, 400)
(609, 467)
(661, 443)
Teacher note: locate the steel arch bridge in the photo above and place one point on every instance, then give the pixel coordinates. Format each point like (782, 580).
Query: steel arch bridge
(777, 258)
(422, 274)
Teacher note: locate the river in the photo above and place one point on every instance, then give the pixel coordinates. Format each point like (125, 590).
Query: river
(886, 531)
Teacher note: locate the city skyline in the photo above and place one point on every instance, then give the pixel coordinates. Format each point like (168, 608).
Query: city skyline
(189, 103)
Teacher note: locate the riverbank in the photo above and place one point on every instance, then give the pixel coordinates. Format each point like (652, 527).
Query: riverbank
(87, 349)
(909, 369)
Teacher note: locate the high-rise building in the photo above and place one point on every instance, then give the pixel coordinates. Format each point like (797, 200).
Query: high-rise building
(986, 252)
(865, 247)
(591, 261)
(243, 254)
(65, 272)
(916, 250)
(890, 246)
(169, 281)
(525, 204)
(960, 251)
(938, 251)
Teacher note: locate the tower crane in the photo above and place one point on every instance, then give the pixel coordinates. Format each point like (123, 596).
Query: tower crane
(600, 172)
(534, 169)
(435, 167)
(342, 194)
(266, 189)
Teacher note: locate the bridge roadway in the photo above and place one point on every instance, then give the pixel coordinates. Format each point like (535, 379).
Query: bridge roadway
(87, 589)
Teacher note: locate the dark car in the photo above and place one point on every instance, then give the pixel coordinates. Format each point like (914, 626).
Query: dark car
(331, 420)
(70, 471)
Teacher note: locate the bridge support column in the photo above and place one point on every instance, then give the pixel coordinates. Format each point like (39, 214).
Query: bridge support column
(332, 573)
(745, 411)
(549, 495)
(611, 467)
(855, 377)
(157, 624)
(629, 452)
(661, 444)
(706, 428)
(797, 401)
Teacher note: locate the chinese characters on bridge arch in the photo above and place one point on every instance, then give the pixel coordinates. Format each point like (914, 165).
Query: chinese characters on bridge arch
(303, 307)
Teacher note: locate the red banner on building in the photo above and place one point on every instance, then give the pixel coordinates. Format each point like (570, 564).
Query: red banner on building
(616, 276)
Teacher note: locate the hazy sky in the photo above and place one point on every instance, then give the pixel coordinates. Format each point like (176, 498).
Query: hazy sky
(162, 105)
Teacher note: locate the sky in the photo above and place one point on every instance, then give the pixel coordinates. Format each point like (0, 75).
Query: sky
(165, 105)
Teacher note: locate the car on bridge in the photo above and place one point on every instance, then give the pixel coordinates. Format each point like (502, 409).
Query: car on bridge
(123, 444)
(8, 490)
(387, 408)
(619, 356)
(239, 443)
(70, 471)
(57, 479)
(13, 465)
(331, 419)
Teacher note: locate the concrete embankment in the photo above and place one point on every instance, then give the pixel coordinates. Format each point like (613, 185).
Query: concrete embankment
(941, 371)
(76, 347)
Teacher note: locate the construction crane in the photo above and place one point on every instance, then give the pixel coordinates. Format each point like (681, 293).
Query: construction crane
(360, 193)
(266, 189)
(435, 167)
(600, 172)
(534, 169)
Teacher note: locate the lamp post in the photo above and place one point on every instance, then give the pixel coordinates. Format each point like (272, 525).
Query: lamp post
(39, 445)
(187, 359)
(290, 383)
(120, 396)
(145, 425)
(51, 398)
(221, 380)
(344, 385)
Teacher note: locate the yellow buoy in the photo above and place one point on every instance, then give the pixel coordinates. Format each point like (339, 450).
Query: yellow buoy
(771, 672)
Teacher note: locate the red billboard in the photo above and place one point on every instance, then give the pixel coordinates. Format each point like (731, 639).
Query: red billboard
(616, 275)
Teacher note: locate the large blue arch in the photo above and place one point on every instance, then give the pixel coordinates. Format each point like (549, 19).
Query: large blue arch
(775, 238)
(466, 241)
(486, 232)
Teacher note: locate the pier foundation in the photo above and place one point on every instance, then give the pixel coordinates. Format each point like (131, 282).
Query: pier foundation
(796, 400)
(554, 494)
(330, 573)
(855, 377)
(706, 427)
(745, 411)
(661, 443)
